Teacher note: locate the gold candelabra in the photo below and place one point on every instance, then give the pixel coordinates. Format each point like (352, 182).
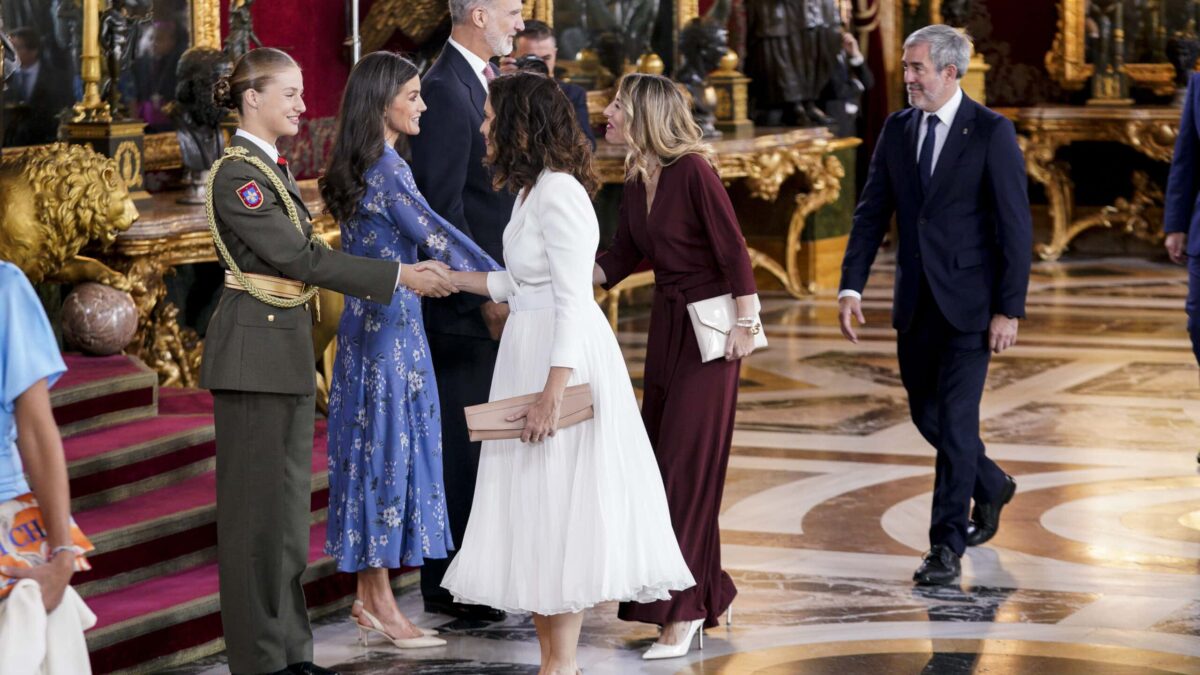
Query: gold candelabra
(92, 108)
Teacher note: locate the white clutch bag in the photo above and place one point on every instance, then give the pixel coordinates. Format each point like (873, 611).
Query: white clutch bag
(713, 319)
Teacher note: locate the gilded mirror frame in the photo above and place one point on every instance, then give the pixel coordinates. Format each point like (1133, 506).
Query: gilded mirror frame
(162, 149)
(1067, 59)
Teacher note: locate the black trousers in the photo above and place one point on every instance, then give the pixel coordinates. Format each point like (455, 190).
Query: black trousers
(463, 366)
(944, 371)
(264, 491)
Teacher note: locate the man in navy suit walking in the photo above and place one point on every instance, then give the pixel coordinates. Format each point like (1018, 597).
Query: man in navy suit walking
(1181, 221)
(447, 162)
(952, 173)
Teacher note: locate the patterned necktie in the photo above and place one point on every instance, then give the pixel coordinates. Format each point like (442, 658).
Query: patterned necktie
(488, 74)
(925, 160)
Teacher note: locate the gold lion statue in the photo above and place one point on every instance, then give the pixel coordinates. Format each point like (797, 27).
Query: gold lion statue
(54, 200)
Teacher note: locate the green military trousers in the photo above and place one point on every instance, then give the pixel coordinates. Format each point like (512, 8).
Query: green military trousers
(264, 478)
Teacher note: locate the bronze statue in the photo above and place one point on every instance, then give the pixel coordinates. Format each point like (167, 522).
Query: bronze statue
(241, 30)
(702, 43)
(54, 200)
(197, 116)
(792, 47)
(120, 24)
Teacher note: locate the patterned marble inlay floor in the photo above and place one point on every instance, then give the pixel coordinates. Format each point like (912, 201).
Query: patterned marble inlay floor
(1096, 569)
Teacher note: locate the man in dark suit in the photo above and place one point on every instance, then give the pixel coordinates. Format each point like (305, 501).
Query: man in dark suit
(1181, 221)
(447, 161)
(537, 39)
(851, 78)
(951, 172)
(35, 94)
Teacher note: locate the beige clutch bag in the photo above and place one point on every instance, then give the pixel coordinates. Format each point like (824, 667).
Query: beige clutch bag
(489, 421)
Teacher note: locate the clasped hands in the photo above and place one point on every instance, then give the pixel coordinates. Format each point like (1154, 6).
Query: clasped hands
(428, 278)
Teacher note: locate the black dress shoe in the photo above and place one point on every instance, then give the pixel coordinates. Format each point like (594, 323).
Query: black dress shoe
(941, 566)
(985, 518)
(309, 668)
(461, 611)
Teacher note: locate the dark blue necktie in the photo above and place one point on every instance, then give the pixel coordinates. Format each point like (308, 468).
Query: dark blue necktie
(925, 160)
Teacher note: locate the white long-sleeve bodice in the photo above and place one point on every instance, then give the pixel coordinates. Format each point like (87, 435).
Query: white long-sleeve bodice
(550, 247)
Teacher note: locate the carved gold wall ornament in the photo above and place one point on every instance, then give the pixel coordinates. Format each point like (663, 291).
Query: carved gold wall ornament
(56, 199)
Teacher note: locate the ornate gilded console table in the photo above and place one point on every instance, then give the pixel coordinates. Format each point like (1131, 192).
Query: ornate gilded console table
(764, 161)
(1150, 130)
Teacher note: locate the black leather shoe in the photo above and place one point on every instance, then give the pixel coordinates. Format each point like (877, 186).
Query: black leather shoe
(309, 668)
(985, 518)
(461, 611)
(940, 567)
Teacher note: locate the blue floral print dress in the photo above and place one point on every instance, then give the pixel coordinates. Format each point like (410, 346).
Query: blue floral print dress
(387, 504)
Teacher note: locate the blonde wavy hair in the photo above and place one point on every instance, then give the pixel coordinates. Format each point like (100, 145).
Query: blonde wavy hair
(658, 124)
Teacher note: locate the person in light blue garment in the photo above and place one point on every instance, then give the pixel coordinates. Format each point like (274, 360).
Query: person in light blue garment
(387, 503)
(30, 444)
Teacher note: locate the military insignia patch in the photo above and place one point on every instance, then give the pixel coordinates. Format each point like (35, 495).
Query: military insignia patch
(251, 195)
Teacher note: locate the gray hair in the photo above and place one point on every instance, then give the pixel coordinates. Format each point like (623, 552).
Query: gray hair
(461, 9)
(947, 46)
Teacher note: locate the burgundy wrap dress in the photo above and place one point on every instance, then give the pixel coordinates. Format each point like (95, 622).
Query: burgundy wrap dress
(693, 242)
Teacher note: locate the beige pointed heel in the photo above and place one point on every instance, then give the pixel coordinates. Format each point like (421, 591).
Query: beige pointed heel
(364, 635)
(427, 632)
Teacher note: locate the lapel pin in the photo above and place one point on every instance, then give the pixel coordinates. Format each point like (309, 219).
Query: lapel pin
(966, 131)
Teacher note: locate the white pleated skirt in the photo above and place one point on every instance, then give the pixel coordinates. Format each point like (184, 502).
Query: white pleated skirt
(580, 518)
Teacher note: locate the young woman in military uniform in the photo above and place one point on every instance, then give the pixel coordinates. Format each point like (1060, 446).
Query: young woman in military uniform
(258, 362)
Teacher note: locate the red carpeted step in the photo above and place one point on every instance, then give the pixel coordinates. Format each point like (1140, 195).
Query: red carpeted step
(166, 528)
(170, 591)
(126, 459)
(181, 401)
(171, 613)
(101, 390)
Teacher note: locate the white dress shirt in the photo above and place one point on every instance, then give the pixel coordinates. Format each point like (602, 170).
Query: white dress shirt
(945, 115)
(477, 64)
(29, 75)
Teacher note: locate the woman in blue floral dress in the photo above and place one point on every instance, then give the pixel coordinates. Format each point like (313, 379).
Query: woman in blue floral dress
(387, 507)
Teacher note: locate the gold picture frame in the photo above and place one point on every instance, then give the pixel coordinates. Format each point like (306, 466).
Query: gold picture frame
(1067, 59)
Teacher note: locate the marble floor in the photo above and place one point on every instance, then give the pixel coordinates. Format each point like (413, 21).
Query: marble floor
(1096, 568)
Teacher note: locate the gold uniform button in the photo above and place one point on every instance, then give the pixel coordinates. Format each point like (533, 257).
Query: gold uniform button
(368, 297)
(270, 317)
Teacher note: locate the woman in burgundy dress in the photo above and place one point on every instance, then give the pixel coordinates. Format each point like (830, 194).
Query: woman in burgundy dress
(677, 215)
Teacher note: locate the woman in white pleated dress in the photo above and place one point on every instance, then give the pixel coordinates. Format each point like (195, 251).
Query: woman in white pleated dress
(563, 519)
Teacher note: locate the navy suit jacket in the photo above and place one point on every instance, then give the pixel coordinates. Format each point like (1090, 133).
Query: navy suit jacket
(1183, 183)
(971, 236)
(447, 162)
(577, 95)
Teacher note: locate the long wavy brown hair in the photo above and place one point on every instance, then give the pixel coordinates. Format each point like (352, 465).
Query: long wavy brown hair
(534, 128)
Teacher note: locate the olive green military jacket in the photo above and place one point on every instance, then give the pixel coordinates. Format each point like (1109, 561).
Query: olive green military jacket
(252, 346)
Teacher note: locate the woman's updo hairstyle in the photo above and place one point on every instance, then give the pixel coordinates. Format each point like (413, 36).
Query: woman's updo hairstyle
(253, 70)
